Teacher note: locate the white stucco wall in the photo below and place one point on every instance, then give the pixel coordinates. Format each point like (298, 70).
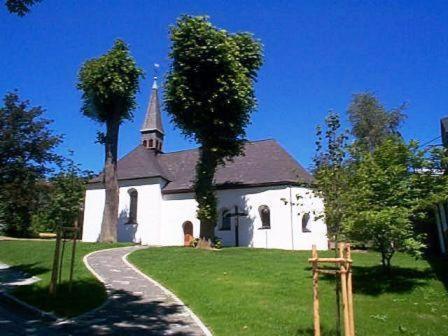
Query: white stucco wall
(160, 218)
(147, 228)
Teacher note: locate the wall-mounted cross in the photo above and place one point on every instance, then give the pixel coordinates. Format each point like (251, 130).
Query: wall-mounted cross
(237, 215)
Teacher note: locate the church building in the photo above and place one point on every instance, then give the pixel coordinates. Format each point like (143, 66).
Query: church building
(264, 198)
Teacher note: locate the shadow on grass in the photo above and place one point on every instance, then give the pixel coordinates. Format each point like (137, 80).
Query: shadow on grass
(126, 313)
(310, 332)
(85, 295)
(439, 267)
(374, 281)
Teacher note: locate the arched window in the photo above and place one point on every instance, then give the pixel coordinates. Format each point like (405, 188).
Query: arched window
(144, 143)
(225, 220)
(133, 195)
(265, 215)
(151, 143)
(306, 222)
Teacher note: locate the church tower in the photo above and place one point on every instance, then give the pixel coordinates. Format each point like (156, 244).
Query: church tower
(152, 129)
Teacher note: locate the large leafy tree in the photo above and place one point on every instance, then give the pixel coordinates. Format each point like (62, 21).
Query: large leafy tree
(20, 7)
(390, 190)
(378, 187)
(109, 84)
(26, 156)
(209, 94)
(371, 122)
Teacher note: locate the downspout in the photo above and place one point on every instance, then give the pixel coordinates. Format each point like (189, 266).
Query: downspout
(439, 229)
(291, 217)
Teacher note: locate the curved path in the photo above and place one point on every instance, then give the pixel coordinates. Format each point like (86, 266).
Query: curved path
(137, 305)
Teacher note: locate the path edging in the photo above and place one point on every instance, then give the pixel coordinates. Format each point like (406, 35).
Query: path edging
(195, 318)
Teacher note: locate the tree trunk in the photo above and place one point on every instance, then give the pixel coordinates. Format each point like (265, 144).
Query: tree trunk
(110, 214)
(205, 194)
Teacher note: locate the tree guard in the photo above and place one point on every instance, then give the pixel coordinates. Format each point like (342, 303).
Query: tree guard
(56, 273)
(344, 269)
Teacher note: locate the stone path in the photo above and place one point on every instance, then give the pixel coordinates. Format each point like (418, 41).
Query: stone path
(136, 305)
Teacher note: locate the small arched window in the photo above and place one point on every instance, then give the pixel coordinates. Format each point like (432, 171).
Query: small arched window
(225, 220)
(306, 222)
(151, 143)
(145, 143)
(265, 215)
(133, 195)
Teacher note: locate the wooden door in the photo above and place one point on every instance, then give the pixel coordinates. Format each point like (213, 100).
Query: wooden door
(188, 233)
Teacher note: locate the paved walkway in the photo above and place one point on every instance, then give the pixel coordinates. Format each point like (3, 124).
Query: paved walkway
(136, 306)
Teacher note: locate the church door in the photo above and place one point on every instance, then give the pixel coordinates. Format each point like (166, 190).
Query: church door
(188, 233)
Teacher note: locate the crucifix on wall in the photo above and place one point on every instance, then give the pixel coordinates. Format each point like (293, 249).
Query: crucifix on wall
(237, 216)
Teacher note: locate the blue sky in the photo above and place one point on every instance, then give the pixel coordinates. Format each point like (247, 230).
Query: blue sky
(317, 54)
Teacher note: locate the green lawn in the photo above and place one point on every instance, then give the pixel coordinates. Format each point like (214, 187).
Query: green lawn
(239, 291)
(35, 258)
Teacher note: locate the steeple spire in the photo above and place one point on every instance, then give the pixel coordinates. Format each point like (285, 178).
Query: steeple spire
(152, 128)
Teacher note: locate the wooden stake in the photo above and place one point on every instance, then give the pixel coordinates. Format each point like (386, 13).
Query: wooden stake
(350, 290)
(72, 263)
(344, 292)
(316, 294)
(54, 271)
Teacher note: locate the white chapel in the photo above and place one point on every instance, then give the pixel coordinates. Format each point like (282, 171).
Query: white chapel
(267, 188)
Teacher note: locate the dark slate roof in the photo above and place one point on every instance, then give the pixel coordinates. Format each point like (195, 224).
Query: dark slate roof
(139, 163)
(265, 163)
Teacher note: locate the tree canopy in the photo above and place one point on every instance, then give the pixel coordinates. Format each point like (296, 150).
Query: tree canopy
(20, 7)
(371, 122)
(27, 156)
(377, 187)
(209, 95)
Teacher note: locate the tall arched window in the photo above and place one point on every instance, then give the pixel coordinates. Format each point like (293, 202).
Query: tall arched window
(150, 143)
(306, 222)
(265, 215)
(225, 220)
(133, 195)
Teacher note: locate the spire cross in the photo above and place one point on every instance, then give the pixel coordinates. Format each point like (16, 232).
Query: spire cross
(156, 72)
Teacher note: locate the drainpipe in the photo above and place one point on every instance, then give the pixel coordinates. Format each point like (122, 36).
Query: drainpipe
(439, 229)
(291, 217)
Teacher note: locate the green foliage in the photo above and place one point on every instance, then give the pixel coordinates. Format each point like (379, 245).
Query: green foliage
(217, 243)
(330, 172)
(371, 122)
(209, 95)
(109, 84)
(20, 7)
(65, 198)
(390, 188)
(26, 155)
(378, 188)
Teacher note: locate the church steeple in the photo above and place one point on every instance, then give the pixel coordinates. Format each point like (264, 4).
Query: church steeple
(152, 129)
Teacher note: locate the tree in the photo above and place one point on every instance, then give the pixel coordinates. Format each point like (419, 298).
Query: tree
(209, 95)
(26, 154)
(63, 199)
(390, 188)
(109, 84)
(371, 122)
(20, 7)
(331, 172)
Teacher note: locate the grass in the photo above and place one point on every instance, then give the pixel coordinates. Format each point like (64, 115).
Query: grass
(36, 257)
(239, 291)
